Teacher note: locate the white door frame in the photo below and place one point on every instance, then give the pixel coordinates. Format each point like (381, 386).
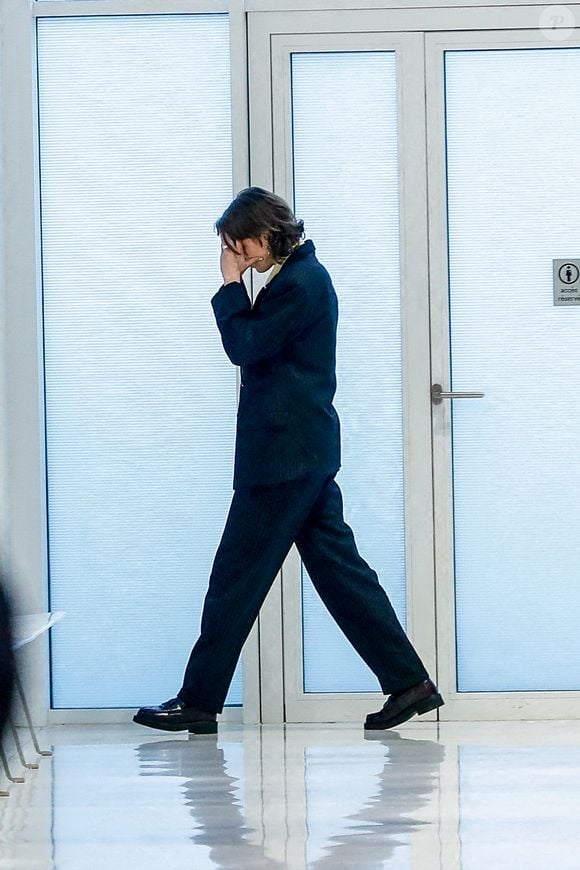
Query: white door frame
(23, 503)
(464, 706)
(428, 486)
(281, 616)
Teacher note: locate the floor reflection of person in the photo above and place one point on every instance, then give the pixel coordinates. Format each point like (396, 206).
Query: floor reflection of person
(286, 457)
(394, 807)
(392, 813)
(211, 796)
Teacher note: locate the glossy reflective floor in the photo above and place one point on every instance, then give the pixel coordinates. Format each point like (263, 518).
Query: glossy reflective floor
(470, 796)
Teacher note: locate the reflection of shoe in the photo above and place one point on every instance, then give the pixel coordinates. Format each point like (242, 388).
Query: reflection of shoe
(418, 699)
(173, 715)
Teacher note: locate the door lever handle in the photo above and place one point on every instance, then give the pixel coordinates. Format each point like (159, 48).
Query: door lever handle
(437, 395)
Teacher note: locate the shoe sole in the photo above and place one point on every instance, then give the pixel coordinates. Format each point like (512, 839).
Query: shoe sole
(192, 727)
(430, 703)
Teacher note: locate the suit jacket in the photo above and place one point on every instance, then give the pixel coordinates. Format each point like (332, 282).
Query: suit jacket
(287, 426)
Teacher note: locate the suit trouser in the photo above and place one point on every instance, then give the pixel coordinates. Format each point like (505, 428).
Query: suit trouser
(262, 524)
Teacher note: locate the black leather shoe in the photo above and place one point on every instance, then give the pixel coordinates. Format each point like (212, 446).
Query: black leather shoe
(418, 699)
(173, 715)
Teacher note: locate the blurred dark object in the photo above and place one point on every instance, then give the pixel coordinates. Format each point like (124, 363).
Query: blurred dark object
(7, 664)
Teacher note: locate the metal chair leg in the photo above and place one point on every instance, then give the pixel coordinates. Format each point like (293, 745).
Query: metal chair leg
(7, 772)
(31, 765)
(20, 691)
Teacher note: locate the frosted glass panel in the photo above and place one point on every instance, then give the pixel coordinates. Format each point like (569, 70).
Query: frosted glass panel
(136, 166)
(513, 139)
(348, 199)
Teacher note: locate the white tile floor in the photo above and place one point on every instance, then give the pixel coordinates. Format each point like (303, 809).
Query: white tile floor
(421, 797)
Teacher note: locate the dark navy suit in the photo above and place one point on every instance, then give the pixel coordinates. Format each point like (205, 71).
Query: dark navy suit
(286, 456)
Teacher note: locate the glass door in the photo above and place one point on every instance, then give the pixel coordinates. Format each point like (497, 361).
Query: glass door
(503, 134)
(431, 176)
(352, 165)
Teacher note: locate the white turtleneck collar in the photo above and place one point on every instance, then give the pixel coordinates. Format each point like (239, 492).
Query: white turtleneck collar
(277, 266)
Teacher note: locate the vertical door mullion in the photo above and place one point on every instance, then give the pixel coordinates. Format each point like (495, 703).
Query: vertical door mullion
(269, 622)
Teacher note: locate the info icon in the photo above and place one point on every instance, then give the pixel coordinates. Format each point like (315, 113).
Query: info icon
(566, 282)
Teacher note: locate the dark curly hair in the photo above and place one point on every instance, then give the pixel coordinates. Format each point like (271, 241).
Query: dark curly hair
(255, 211)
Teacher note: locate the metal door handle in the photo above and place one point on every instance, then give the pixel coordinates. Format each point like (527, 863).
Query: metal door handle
(437, 395)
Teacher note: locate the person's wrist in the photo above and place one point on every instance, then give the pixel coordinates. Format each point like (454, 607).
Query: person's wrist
(229, 278)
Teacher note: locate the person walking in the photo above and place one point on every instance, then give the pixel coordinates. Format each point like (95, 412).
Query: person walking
(287, 453)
